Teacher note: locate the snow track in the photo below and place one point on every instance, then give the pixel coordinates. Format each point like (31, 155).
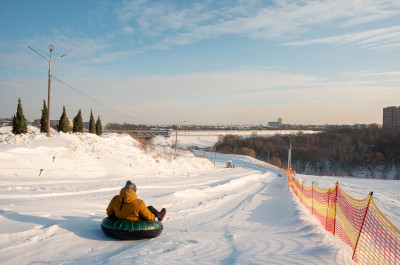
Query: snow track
(230, 216)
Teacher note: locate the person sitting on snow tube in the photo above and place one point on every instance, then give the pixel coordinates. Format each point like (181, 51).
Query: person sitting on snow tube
(127, 206)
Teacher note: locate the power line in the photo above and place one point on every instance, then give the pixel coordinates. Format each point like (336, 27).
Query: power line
(98, 102)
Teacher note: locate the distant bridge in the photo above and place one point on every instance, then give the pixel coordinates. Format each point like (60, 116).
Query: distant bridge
(148, 134)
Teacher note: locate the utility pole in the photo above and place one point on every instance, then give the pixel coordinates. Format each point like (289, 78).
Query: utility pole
(176, 137)
(176, 140)
(51, 47)
(215, 154)
(290, 154)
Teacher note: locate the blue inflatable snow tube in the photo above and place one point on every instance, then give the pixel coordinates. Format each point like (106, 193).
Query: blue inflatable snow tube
(129, 230)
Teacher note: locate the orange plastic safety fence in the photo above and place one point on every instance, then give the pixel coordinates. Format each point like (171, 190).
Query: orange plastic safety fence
(307, 197)
(379, 241)
(359, 223)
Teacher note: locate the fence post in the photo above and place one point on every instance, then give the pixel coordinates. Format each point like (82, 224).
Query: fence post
(301, 196)
(327, 211)
(334, 220)
(362, 224)
(312, 198)
(288, 181)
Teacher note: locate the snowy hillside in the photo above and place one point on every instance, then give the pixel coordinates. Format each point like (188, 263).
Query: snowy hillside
(54, 192)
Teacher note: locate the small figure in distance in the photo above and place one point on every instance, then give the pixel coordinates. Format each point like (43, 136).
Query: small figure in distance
(127, 206)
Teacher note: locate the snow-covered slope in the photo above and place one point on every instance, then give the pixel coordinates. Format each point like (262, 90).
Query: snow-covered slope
(215, 215)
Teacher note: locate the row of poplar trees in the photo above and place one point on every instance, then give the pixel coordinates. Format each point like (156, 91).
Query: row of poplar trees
(20, 124)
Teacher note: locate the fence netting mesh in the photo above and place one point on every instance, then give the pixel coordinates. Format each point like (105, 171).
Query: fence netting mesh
(358, 223)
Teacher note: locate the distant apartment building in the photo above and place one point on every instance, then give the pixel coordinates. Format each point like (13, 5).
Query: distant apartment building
(5, 122)
(391, 117)
(274, 124)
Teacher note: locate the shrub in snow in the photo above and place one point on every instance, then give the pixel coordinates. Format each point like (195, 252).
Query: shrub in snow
(63, 124)
(78, 123)
(247, 151)
(99, 127)
(92, 128)
(19, 121)
(276, 161)
(43, 119)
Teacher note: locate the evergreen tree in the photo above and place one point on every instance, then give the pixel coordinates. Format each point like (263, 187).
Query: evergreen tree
(43, 119)
(63, 124)
(78, 123)
(99, 127)
(92, 128)
(19, 121)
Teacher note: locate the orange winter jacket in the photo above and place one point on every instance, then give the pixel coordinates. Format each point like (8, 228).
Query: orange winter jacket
(127, 206)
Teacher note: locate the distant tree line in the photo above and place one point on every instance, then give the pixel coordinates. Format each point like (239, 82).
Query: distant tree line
(20, 123)
(126, 126)
(332, 152)
(194, 127)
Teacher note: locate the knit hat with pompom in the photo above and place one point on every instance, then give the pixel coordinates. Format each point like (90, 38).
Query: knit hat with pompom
(130, 185)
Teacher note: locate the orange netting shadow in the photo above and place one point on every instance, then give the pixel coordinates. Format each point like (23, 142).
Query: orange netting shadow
(359, 223)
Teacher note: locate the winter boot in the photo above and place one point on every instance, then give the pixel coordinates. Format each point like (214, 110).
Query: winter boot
(161, 214)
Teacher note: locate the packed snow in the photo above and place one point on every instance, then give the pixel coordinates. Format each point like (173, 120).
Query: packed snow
(54, 192)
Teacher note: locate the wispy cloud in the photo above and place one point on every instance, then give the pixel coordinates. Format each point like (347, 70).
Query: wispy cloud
(73, 44)
(280, 19)
(127, 30)
(383, 74)
(154, 18)
(150, 25)
(373, 39)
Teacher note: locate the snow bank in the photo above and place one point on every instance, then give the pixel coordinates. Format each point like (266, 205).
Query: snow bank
(67, 156)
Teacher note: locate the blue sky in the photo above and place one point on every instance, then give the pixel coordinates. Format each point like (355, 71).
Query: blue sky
(204, 62)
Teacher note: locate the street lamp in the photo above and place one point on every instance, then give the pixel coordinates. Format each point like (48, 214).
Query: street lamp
(176, 137)
(51, 48)
(290, 153)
